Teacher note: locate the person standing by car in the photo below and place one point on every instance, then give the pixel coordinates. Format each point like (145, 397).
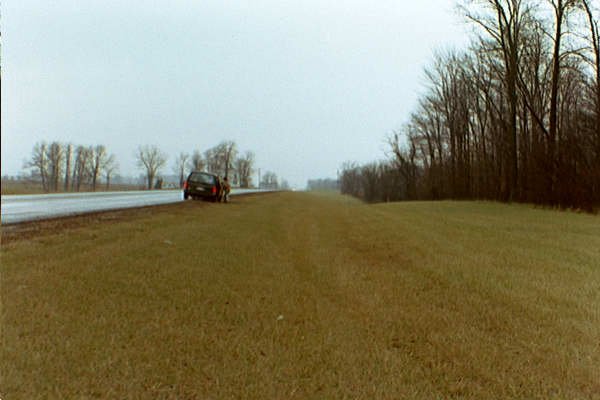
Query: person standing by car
(226, 190)
(219, 185)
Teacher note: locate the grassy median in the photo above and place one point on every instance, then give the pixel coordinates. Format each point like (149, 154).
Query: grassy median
(299, 295)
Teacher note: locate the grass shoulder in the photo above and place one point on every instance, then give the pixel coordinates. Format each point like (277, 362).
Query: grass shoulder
(309, 296)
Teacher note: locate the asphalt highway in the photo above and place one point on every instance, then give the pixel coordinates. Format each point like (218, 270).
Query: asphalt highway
(22, 208)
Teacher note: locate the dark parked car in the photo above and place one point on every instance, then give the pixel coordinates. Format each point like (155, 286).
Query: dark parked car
(202, 185)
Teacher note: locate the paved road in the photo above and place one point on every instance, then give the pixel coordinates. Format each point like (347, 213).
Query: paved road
(21, 208)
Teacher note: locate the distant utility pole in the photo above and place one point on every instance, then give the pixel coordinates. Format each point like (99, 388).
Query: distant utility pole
(259, 178)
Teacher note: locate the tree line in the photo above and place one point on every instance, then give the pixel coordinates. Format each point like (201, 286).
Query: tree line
(271, 181)
(223, 159)
(67, 167)
(323, 184)
(516, 117)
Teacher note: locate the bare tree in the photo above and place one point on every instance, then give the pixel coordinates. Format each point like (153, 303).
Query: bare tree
(503, 23)
(98, 159)
(197, 162)
(404, 159)
(110, 167)
(350, 179)
(593, 26)
(244, 167)
(151, 159)
(212, 161)
(39, 163)
(81, 167)
(269, 181)
(68, 161)
(594, 61)
(560, 8)
(55, 155)
(180, 166)
(229, 151)
(220, 159)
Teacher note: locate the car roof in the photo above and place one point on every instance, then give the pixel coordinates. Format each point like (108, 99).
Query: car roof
(205, 173)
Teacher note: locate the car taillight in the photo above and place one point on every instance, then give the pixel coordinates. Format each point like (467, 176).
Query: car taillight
(214, 190)
(185, 185)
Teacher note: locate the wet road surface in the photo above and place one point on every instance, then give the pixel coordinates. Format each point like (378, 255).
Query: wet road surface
(21, 208)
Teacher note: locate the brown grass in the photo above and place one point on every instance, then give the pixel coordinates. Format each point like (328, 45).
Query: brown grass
(297, 295)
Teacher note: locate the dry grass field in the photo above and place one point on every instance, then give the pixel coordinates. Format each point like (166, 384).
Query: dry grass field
(305, 296)
(8, 186)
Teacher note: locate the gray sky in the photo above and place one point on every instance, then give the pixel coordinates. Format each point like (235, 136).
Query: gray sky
(306, 85)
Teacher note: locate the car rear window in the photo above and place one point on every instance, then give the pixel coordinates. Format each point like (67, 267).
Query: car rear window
(200, 177)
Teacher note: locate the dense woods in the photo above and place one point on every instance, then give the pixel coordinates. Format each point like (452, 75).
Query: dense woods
(514, 118)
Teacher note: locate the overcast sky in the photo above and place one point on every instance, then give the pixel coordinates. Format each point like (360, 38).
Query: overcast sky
(306, 85)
